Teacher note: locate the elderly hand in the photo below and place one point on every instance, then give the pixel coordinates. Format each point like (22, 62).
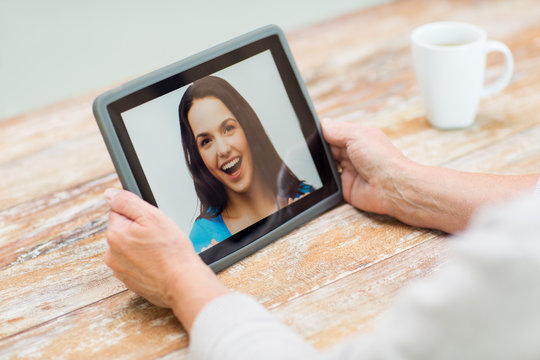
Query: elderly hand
(155, 259)
(377, 177)
(371, 165)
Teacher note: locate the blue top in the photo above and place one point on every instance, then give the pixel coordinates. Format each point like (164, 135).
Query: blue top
(205, 230)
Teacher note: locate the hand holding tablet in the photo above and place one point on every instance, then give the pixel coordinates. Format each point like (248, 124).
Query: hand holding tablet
(226, 143)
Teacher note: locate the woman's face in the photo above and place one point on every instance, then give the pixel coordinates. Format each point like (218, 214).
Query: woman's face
(222, 143)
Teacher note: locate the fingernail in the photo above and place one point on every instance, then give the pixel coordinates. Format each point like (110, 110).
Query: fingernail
(110, 194)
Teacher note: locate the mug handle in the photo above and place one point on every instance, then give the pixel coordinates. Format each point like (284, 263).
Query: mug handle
(504, 79)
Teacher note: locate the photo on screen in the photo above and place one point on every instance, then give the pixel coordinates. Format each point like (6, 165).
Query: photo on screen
(206, 145)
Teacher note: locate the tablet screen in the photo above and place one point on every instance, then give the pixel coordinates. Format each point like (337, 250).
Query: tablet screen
(228, 149)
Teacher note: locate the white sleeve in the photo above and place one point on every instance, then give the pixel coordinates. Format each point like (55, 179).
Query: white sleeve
(235, 327)
(537, 190)
(483, 304)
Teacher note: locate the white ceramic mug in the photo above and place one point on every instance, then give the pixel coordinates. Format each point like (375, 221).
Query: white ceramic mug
(449, 62)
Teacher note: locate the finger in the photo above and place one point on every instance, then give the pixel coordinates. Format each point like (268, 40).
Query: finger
(138, 287)
(121, 265)
(347, 180)
(338, 133)
(339, 154)
(127, 204)
(355, 189)
(117, 220)
(336, 152)
(346, 164)
(108, 257)
(116, 229)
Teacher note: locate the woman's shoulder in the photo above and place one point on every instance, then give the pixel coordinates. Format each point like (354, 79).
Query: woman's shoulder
(205, 229)
(302, 189)
(204, 223)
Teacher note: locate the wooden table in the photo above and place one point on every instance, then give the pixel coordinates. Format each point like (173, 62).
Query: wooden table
(328, 279)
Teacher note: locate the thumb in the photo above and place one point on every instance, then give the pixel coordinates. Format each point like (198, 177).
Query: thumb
(337, 133)
(127, 203)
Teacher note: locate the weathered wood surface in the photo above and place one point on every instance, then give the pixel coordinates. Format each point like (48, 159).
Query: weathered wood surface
(328, 279)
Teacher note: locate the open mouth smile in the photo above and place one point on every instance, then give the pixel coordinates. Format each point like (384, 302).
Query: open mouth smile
(232, 166)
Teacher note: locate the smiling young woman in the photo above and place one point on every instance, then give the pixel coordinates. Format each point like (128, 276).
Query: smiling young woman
(238, 175)
(222, 144)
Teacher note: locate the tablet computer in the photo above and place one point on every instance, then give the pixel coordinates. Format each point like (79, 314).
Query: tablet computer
(226, 143)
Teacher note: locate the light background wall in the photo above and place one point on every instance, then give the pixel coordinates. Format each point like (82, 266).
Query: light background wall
(56, 49)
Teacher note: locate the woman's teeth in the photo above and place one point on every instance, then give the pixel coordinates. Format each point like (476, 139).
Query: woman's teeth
(231, 166)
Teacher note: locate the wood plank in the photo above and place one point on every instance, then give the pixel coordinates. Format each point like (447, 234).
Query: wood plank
(49, 150)
(124, 326)
(41, 129)
(63, 165)
(502, 116)
(353, 304)
(41, 289)
(127, 326)
(338, 243)
(517, 154)
(36, 227)
(297, 263)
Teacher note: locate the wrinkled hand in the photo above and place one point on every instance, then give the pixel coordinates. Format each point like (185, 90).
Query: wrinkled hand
(155, 259)
(145, 247)
(370, 164)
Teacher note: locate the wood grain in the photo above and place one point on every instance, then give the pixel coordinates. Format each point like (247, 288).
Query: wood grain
(125, 313)
(362, 296)
(328, 279)
(45, 153)
(313, 256)
(120, 327)
(62, 218)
